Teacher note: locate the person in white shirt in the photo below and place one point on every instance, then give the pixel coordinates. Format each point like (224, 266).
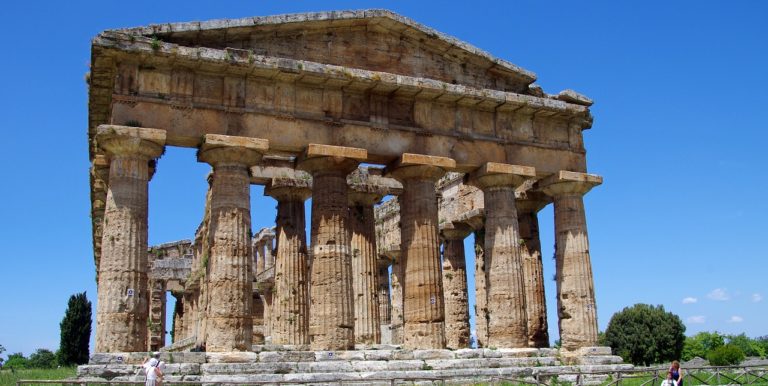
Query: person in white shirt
(152, 371)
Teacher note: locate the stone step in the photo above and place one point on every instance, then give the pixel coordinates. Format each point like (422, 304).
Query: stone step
(456, 375)
(371, 354)
(340, 366)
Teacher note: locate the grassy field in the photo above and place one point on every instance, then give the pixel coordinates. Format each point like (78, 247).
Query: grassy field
(9, 378)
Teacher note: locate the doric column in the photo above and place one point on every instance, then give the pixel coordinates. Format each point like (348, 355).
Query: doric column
(269, 257)
(507, 321)
(331, 325)
(481, 290)
(385, 313)
(398, 279)
(364, 272)
(178, 318)
(259, 255)
(266, 302)
(230, 282)
(290, 306)
(123, 293)
(423, 308)
(455, 285)
(528, 205)
(156, 325)
(576, 306)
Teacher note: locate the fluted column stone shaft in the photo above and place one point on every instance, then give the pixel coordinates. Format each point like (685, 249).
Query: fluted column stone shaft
(385, 313)
(507, 320)
(481, 290)
(577, 310)
(457, 330)
(123, 292)
(364, 268)
(397, 318)
(423, 308)
(290, 306)
(535, 300)
(269, 256)
(331, 318)
(230, 280)
(259, 255)
(507, 326)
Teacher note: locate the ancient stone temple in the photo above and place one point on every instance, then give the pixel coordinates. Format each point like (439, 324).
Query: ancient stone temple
(406, 141)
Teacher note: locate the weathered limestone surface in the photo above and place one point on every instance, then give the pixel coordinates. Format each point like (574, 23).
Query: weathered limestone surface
(230, 280)
(368, 187)
(331, 325)
(577, 310)
(290, 313)
(364, 273)
(457, 331)
(423, 309)
(535, 303)
(507, 320)
(123, 296)
(379, 88)
(481, 290)
(385, 306)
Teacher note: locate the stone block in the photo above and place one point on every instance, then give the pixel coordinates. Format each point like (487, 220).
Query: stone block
(369, 365)
(232, 357)
(404, 365)
(591, 351)
(241, 378)
(286, 356)
(468, 353)
(402, 354)
(339, 356)
(491, 353)
(600, 360)
(181, 368)
(378, 355)
(330, 367)
(432, 354)
(107, 371)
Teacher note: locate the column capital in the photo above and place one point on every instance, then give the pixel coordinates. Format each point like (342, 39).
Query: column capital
(140, 142)
(530, 200)
(367, 186)
(564, 183)
(289, 189)
(322, 158)
(455, 230)
(227, 149)
(412, 166)
(493, 174)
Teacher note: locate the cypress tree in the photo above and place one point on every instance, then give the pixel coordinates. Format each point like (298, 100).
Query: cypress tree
(75, 331)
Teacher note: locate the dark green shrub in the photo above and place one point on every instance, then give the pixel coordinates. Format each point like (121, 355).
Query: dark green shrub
(645, 334)
(726, 355)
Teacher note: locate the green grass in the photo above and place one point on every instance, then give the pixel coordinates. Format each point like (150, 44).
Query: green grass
(9, 378)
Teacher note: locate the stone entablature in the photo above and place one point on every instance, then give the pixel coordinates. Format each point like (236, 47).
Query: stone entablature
(366, 87)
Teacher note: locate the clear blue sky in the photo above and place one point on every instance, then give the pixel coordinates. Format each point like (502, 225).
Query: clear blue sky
(680, 134)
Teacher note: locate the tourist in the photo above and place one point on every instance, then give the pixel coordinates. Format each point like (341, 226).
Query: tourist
(161, 367)
(675, 373)
(151, 369)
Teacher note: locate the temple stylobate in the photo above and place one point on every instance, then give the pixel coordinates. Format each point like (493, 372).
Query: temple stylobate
(464, 142)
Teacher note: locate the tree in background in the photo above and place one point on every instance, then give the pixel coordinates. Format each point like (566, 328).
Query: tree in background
(644, 334)
(42, 359)
(16, 361)
(750, 347)
(75, 331)
(701, 344)
(2, 350)
(725, 355)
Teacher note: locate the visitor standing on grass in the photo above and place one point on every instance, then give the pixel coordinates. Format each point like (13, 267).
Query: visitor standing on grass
(675, 373)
